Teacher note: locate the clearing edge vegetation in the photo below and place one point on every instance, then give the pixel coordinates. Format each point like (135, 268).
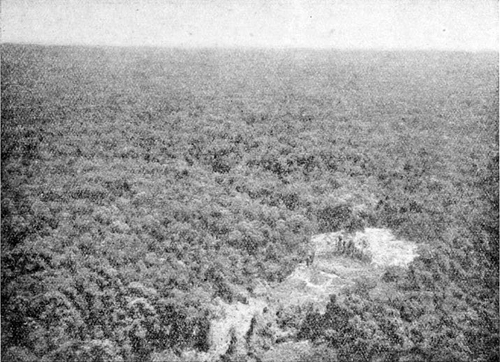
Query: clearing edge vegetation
(146, 193)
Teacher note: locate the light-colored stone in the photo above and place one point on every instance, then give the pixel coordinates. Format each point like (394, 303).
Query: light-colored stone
(328, 274)
(380, 245)
(234, 319)
(384, 248)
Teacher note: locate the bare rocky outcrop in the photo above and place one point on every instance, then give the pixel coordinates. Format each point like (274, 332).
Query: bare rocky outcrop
(250, 328)
(230, 329)
(383, 247)
(377, 246)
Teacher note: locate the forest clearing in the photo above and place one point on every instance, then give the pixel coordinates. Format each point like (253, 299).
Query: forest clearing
(165, 204)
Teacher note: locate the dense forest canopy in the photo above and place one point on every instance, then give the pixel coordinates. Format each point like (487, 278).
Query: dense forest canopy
(139, 184)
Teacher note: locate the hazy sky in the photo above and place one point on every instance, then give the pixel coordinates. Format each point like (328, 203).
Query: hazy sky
(388, 24)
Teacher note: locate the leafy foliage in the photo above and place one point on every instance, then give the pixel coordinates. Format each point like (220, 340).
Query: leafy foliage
(137, 185)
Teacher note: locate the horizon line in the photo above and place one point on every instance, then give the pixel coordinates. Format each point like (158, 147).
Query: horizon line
(256, 47)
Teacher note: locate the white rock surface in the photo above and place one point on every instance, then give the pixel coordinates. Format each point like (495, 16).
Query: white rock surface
(329, 273)
(236, 317)
(383, 247)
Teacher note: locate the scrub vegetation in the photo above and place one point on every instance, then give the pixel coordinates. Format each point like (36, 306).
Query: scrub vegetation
(138, 185)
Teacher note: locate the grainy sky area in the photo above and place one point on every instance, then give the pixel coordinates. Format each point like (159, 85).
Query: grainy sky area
(360, 24)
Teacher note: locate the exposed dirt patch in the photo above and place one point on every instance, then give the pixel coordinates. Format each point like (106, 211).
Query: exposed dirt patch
(385, 249)
(234, 322)
(340, 260)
